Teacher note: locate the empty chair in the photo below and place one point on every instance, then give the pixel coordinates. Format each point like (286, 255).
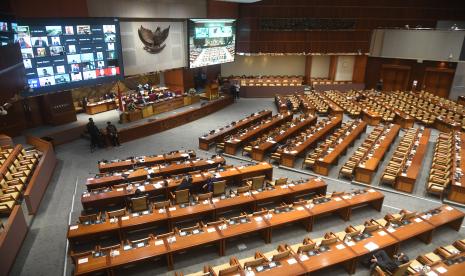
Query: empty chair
(219, 187)
(116, 213)
(139, 204)
(181, 196)
(256, 182)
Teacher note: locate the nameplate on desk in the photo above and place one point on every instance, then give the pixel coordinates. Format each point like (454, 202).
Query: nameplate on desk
(90, 179)
(371, 191)
(303, 258)
(74, 227)
(441, 269)
(211, 230)
(418, 220)
(371, 246)
(135, 215)
(350, 243)
(345, 197)
(258, 219)
(215, 200)
(382, 233)
(83, 260)
(337, 199)
(172, 209)
(254, 192)
(205, 202)
(141, 188)
(448, 208)
(157, 185)
(120, 189)
(125, 218)
(292, 261)
(340, 246)
(210, 162)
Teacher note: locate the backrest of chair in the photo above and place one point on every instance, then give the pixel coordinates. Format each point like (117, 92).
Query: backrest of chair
(202, 197)
(139, 204)
(243, 189)
(219, 187)
(402, 269)
(161, 204)
(281, 255)
(255, 262)
(117, 213)
(182, 196)
(88, 218)
(257, 182)
(281, 181)
(229, 270)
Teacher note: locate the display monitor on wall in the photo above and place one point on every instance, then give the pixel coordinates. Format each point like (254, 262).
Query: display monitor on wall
(211, 41)
(62, 54)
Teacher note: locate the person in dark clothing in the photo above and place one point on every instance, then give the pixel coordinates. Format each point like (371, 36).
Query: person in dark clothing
(186, 183)
(84, 103)
(208, 187)
(379, 85)
(381, 259)
(112, 133)
(232, 91)
(289, 105)
(94, 133)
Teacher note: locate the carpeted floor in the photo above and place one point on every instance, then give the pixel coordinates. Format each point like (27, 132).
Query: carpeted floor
(44, 249)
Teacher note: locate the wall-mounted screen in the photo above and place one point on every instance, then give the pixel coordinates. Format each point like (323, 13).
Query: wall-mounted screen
(211, 41)
(62, 54)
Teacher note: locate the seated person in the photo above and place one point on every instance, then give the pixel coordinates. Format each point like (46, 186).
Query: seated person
(381, 259)
(185, 184)
(208, 186)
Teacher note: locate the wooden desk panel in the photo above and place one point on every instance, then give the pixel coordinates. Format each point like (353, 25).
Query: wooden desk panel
(118, 196)
(218, 136)
(365, 174)
(417, 228)
(288, 158)
(406, 182)
(323, 165)
(94, 108)
(144, 161)
(334, 256)
(231, 146)
(448, 216)
(258, 152)
(142, 173)
(457, 187)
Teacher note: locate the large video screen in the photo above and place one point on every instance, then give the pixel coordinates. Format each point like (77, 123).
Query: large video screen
(69, 53)
(211, 41)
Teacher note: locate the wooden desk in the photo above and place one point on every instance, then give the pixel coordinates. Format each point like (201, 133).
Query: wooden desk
(143, 161)
(219, 134)
(91, 264)
(381, 238)
(255, 224)
(366, 197)
(451, 270)
(334, 109)
(231, 146)
(142, 173)
(102, 106)
(288, 157)
(416, 228)
(258, 152)
(299, 213)
(287, 266)
(118, 196)
(457, 187)
(447, 216)
(323, 164)
(365, 173)
(338, 254)
(406, 181)
(335, 205)
(372, 118)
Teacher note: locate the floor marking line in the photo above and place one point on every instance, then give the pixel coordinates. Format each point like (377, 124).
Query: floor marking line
(69, 223)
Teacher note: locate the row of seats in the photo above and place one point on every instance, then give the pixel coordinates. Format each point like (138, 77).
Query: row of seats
(406, 105)
(363, 151)
(352, 108)
(269, 136)
(308, 247)
(15, 179)
(319, 104)
(425, 261)
(331, 142)
(386, 113)
(5, 152)
(220, 145)
(282, 102)
(402, 156)
(441, 168)
(296, 141)
(444, 107)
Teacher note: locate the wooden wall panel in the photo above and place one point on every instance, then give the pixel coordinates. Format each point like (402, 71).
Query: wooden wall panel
(220, 9)
(49, 8)
(368, 15)
(359, 69)
(376, 69)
